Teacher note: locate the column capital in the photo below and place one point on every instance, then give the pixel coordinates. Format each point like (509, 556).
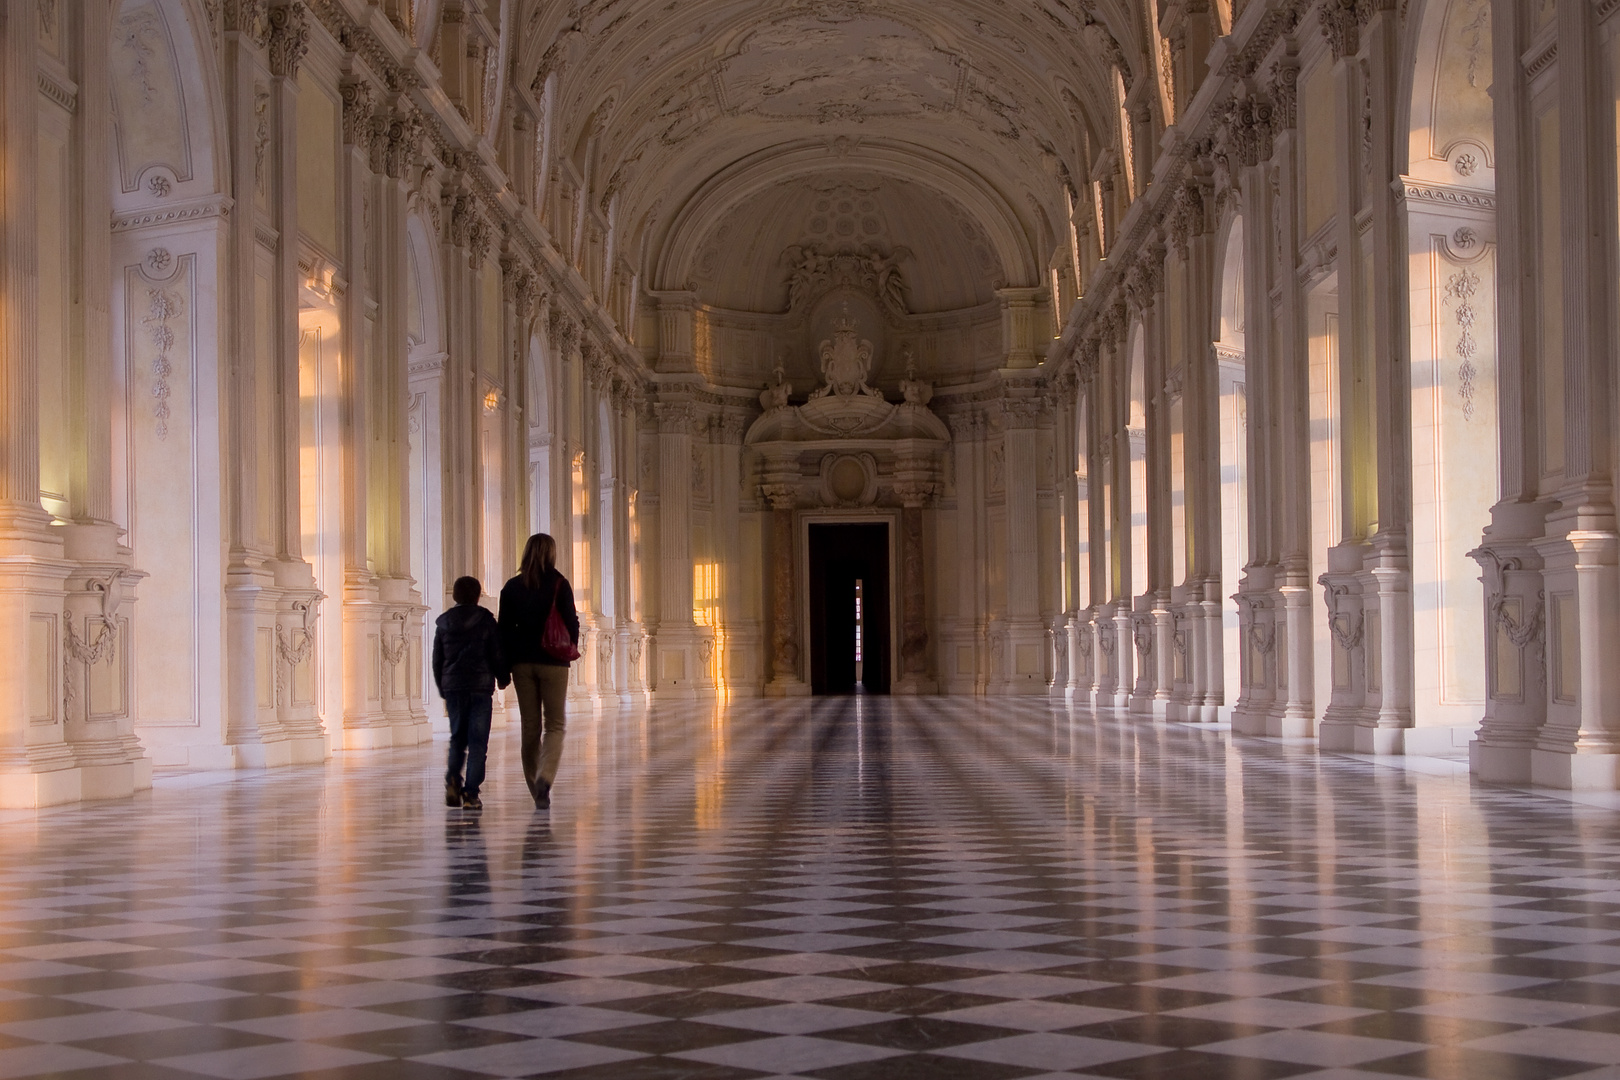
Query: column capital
(289, 38)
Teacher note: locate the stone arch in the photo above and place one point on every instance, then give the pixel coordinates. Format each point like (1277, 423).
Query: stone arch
(1447, 112)
(167, 142)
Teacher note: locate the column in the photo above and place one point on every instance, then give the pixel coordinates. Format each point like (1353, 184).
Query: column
(1579, 745)
(35, 764)
(781, 490)
(1515, 623)
(676, 659)
(1023, 662)
(914, 488)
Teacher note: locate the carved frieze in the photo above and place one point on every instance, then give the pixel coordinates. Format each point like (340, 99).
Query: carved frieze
(815, 271)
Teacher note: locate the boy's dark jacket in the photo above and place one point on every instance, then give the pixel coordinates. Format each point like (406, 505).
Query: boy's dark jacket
(467, 651)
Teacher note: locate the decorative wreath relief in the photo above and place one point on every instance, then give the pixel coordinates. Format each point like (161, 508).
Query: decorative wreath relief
(163, 305)
(1461, 287)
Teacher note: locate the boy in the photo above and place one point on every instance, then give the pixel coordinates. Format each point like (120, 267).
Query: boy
(467, 664)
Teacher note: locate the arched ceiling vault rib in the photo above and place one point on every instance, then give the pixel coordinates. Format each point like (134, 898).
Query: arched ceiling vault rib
(670, 258)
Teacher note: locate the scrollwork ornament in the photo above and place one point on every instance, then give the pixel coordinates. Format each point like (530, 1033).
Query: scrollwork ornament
(1284, 90)
(289, 38)
(1340, 21)
(250, 17)
(358, 105)
(564, 330)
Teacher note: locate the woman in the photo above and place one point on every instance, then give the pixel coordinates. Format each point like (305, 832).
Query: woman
(540, 678)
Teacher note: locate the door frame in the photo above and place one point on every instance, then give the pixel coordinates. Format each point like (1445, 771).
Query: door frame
(808, 518)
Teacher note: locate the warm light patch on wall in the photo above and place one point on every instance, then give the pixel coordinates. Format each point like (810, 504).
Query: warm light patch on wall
(706, 612)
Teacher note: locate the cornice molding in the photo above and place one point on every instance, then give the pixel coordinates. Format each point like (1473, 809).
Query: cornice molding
(180, 213)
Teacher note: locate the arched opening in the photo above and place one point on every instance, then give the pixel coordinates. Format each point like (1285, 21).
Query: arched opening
(541, 439)
(1231, 361)
(1136, 441)
(607, 544)
(1452, 256)
(168, 435)
(426, 358)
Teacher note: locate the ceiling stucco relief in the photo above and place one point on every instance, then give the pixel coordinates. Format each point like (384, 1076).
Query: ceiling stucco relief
(821, 67)
(919, 153)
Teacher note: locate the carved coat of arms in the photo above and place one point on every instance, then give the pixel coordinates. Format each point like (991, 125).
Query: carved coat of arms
(846, 361)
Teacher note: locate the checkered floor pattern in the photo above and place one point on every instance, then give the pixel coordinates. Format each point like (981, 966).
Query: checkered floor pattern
(841, 889)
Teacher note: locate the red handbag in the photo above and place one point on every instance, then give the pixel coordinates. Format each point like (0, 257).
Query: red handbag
(555, 638)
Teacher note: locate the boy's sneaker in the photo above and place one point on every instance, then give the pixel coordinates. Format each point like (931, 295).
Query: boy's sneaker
(452, 793)
(471, 802)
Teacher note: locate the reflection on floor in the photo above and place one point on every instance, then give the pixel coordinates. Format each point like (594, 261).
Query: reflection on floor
(843, 889)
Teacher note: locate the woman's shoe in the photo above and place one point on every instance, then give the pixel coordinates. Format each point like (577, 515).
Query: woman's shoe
(452, 793)
(542, 795)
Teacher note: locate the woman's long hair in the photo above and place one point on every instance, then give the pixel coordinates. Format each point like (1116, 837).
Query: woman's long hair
(539, 559)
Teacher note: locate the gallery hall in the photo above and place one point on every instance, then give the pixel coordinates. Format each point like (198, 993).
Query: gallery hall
(809, 539)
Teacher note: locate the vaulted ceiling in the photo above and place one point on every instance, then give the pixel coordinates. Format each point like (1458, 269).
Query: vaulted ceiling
(712, 128)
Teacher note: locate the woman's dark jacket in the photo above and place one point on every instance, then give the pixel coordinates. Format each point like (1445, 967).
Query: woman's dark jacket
(523, 618)
(467, 654)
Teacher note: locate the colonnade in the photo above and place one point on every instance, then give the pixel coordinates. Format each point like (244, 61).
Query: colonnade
(1368, 253)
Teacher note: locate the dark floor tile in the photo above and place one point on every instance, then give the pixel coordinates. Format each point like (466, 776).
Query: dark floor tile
(923, 1067)
(654, 1069)
(128, 1070)
(489, 979)
(666, 1037)
(1465, 1064)
(222, 1010)
(405, 1042)
(688, 1006)
(1158, 1029)
(911, 1000)
(392, 1070)
(194, 1039)
(919, 1033)
(468, 1006)
(1195, 1065)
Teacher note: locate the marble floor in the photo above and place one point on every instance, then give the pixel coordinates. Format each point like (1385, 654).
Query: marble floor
(842, 889)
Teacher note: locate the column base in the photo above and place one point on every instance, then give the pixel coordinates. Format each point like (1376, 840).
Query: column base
(787, 686)
(83, 783)
(299, 750)
(1247, 722)
(1499, 764)
(1575, 772)
(1289, 726)
(1145, 704)
(915, 685)
(377, 736)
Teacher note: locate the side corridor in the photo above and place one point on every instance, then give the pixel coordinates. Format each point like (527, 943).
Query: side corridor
(843, 889)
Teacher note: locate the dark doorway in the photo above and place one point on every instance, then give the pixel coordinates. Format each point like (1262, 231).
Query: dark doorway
(849, 608)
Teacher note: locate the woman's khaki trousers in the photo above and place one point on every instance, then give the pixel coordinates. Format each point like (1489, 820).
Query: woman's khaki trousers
(542, 693)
